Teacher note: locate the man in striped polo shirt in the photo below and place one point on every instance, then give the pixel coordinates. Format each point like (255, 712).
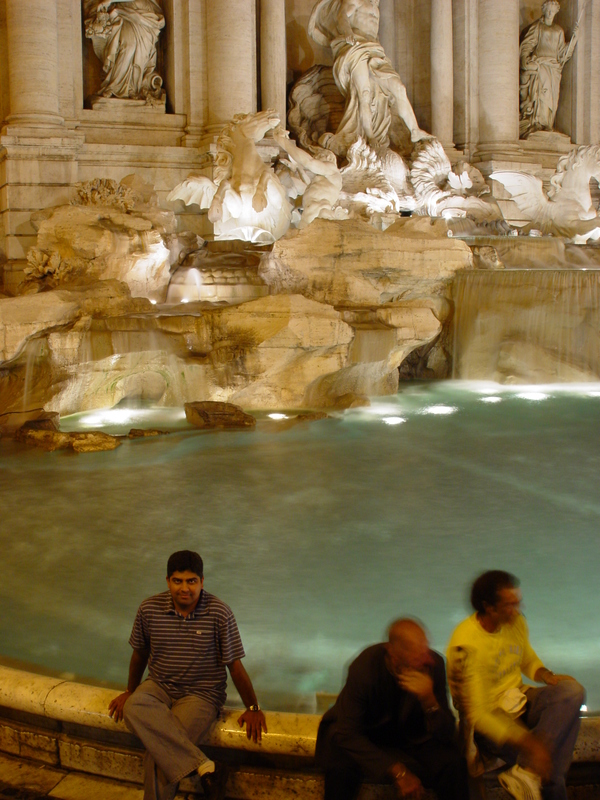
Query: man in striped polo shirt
(186, 637)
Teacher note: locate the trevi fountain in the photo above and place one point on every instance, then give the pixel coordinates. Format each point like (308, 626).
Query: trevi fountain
(370, 224)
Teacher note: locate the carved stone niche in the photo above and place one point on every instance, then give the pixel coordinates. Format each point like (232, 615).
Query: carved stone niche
(124, 72)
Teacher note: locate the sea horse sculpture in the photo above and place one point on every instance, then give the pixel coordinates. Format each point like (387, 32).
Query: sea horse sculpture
(567, 209)
(246, 200)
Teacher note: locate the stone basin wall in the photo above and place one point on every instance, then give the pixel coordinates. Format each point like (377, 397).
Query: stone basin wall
(66, 724)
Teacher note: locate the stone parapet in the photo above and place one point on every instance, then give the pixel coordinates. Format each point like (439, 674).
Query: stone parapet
(65, 725)
(86, 706)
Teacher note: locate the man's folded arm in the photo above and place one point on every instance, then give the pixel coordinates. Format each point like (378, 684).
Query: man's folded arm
(350, 732)
(472, 700)
(441, 722)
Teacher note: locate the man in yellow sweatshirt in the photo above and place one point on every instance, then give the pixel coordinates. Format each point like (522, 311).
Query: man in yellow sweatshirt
(532, 728)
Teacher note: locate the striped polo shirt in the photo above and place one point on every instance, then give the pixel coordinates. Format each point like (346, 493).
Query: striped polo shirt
(188, 655)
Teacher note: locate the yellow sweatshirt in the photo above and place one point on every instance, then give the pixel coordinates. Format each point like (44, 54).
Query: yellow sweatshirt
(482, 668)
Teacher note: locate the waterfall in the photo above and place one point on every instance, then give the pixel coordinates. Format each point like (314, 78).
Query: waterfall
(527, 326)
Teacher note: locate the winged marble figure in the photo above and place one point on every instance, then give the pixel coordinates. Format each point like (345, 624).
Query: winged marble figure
(567, 209)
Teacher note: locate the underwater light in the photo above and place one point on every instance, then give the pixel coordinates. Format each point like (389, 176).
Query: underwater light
(393, 420)
(533, 396)
(114, 416)
(278, 416)
(440, 410)
(491, 399)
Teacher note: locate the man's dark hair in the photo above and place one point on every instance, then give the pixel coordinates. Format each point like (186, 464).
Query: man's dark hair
(484, 591)
(185, 561)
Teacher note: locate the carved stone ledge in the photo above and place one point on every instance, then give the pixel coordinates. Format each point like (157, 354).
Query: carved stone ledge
(116, 104)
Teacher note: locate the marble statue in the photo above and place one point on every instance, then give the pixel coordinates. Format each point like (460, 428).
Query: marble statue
(246, 200)
(544, 53)
(320, 180)
(125, 35)
(568, 209)
(372, 89)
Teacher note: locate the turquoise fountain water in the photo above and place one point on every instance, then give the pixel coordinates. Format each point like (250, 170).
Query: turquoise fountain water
(316, 535)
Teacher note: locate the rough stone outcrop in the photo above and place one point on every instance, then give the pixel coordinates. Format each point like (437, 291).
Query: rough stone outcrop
(35, 418)
(50, 440)
(349, 304)
(110, 232)
(347, 265)
(210, 414)
(145, 433)
(22, 318)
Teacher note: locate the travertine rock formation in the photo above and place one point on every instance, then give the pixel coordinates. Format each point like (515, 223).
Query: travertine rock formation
(348, 265)
(110, 231)
(210, 414)
(348, 305)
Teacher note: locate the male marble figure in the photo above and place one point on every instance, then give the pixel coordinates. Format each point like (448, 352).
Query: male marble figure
(532, 728)
(128, 32)
(363, 74)
(186, 637)
(392, 723)
(544, 53)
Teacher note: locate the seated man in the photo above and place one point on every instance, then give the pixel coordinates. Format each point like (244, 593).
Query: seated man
(391, 722)
(533, 728)
(187, 637)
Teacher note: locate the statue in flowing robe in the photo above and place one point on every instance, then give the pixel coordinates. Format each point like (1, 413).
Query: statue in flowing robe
(364, 75)
(125, 35)
(544, 53)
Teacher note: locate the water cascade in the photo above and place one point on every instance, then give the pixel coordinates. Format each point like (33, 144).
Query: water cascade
(527, 326)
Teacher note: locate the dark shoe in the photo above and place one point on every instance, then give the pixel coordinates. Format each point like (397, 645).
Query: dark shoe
(213, 783)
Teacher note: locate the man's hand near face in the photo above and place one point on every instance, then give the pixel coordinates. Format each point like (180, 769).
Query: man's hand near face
(420, 684)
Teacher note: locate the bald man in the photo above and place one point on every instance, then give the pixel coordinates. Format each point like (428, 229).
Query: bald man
(391, 723)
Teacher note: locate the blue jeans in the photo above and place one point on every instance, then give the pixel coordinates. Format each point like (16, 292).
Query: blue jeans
(552, 713)
(170, 730)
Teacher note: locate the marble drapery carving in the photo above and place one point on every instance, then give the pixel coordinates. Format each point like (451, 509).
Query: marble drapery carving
(544, 53)
(125, 35)
(363, 73)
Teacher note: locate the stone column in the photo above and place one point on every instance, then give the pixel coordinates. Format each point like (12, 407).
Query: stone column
(442, 72)
(387, 29)
(232, 69)
(273, 57)
(498, 77)
(32, 28)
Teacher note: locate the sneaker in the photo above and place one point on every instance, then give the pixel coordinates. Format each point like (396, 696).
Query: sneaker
(213, 783)
(522, 784)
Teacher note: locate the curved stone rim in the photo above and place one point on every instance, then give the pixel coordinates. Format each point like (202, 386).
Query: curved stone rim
(289, 733)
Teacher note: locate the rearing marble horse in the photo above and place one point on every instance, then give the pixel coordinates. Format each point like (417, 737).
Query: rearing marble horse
(567, 210)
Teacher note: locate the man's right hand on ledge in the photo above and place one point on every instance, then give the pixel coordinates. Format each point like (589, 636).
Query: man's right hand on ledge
(115, 707)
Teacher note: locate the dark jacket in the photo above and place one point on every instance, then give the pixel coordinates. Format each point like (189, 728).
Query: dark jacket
(372, 714)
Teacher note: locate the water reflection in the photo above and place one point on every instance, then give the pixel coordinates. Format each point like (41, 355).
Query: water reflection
(316, 535)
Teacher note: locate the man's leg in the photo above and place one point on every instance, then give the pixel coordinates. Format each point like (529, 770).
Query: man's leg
(553, 715)
(440, 766)
(168, 732)
(343, 776)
